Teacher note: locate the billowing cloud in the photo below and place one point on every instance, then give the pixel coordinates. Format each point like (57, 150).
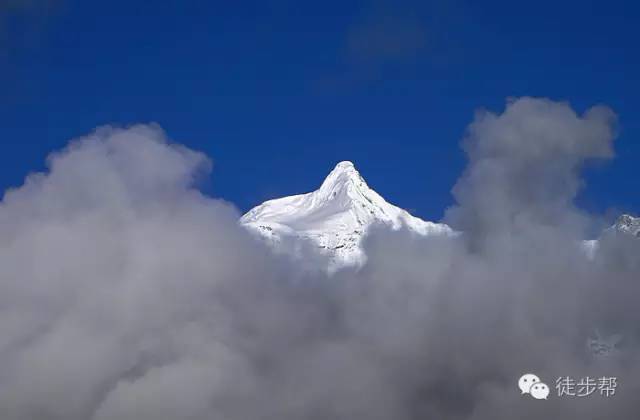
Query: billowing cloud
(125, 293)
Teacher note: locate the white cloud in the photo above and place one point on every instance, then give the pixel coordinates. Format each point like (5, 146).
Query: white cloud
(127, 294)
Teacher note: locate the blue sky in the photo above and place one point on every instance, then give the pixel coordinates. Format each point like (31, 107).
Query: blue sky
(277, 92)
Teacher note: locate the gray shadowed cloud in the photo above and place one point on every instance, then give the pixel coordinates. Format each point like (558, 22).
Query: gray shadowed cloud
(389, 40)
(380, 38)
(125, 293)
(383, 35)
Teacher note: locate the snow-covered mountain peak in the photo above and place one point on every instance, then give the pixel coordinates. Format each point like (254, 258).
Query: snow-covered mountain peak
(345, 167)
(344, 174)
(344, 184)
(628, 224)
(335, 217)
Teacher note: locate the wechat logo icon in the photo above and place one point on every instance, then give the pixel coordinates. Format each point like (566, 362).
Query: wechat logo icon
(531, 384)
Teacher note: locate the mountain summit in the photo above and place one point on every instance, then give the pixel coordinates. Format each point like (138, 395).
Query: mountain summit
(335, 217)
(628, 224)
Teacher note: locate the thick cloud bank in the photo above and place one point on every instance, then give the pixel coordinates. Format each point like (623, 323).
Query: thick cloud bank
(126, 294)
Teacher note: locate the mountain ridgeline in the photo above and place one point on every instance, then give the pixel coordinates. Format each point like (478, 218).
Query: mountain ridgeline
(335, 218)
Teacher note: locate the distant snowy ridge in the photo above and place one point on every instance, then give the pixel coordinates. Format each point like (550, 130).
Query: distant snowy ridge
(628, 225)
(334, 218)
(624, 225)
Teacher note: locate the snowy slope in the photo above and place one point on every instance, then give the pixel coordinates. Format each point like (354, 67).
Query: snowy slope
(334, 218)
